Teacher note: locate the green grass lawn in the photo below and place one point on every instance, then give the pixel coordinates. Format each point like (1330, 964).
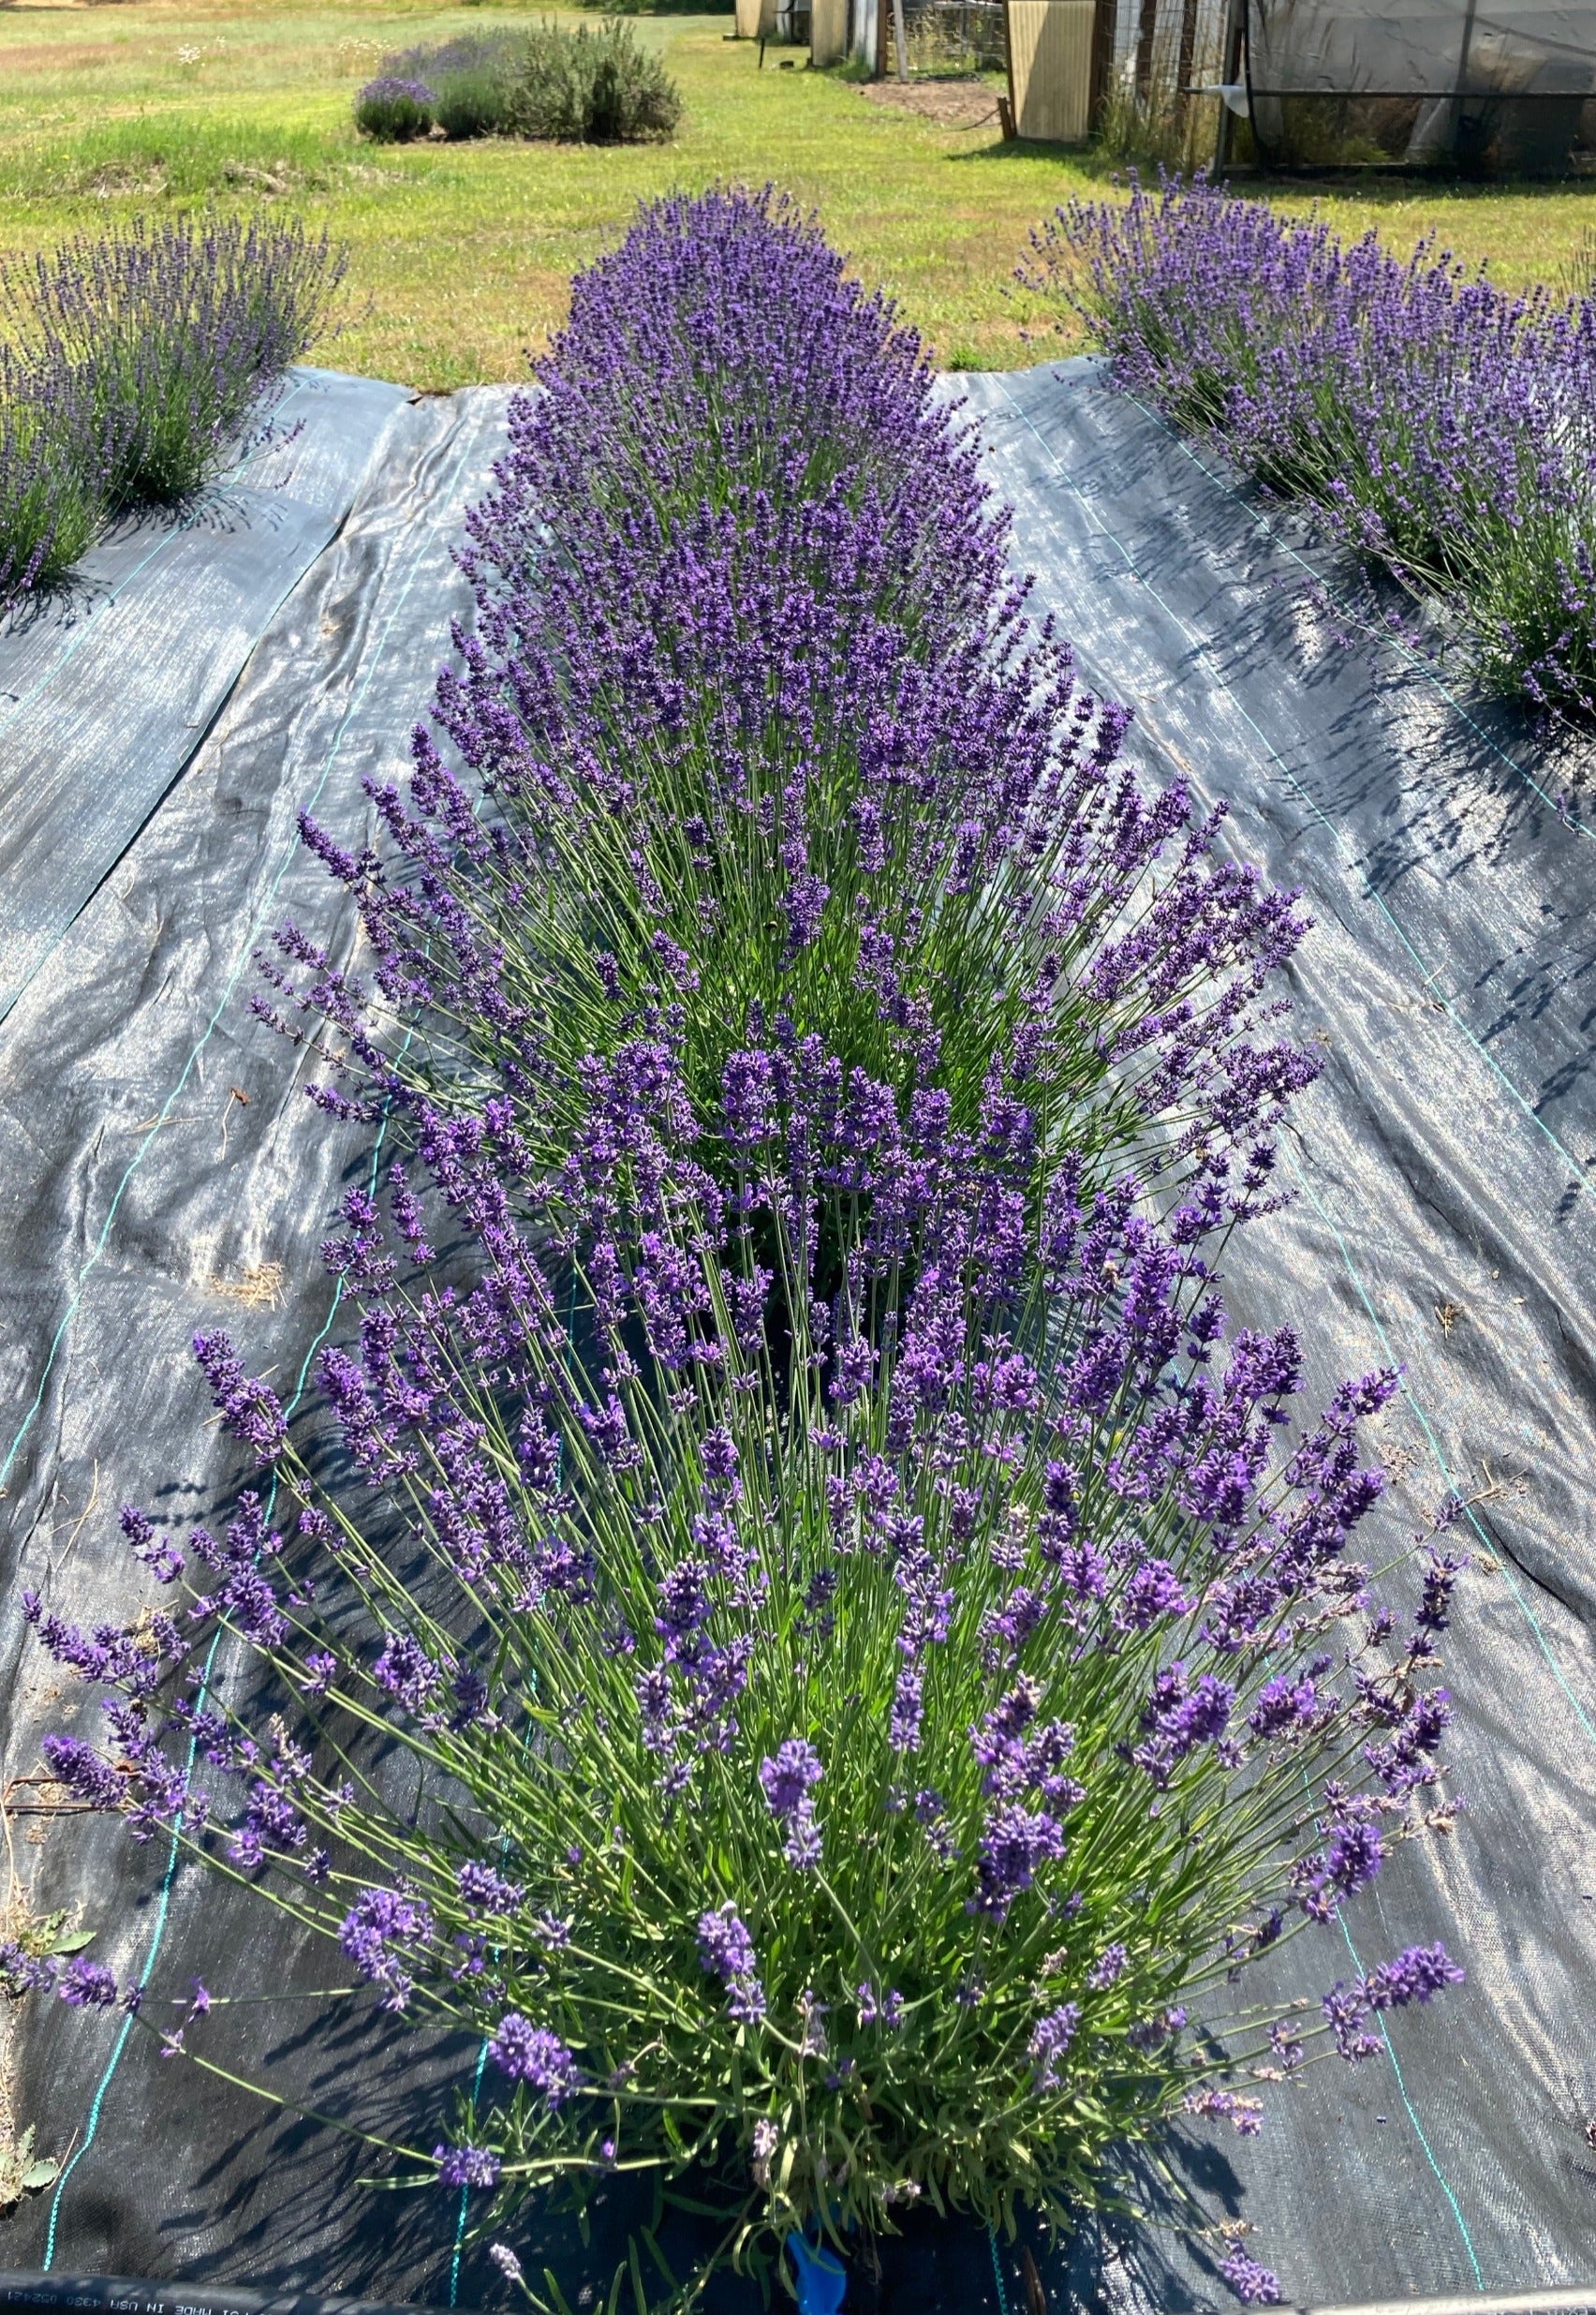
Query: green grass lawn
(461, 254)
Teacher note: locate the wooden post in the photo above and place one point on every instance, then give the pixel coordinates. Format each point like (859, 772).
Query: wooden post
(1106, 35)
(900, 41)
(1234, 36)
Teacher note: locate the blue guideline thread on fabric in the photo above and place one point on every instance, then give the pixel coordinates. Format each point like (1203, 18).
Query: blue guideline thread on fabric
(222, 1003)
(1415, 664)
(996, 2268)
(464, 2191)
(1370, 891)
(1435, 1448)
(171, 531)
(163, 1905)
(1411, 2112)
(164, 1898)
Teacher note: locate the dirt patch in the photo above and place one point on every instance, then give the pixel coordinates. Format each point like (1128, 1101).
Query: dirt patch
(952, 104)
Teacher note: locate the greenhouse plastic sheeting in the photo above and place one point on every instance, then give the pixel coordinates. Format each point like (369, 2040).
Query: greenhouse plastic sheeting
(160, 1169)
(1420, 48)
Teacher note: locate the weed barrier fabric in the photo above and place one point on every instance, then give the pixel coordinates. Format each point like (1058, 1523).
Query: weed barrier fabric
(160, 1170)
(131, 2295)
(107, 685)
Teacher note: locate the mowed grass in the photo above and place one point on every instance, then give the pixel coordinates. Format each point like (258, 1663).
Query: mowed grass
(462, 255)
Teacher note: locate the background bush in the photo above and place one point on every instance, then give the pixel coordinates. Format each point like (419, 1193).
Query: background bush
(595, 85)
(393, 110)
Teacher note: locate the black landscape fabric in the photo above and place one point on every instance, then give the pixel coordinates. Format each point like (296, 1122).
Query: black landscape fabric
(160, 1170)
(107, 687)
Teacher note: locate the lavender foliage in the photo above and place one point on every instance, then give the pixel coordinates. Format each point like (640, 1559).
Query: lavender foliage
(1443, 426)
(51, 477)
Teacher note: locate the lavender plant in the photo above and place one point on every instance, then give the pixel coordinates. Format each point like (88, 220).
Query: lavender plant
(394, 108)
(872, 1665)
(49, 486)
(172, 334)
(1442, 426)
(786, 750)
(855, 1733)
(721, 357)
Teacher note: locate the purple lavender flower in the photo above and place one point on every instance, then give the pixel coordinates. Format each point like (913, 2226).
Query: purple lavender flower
(531, 2053)
(466, 2166)
(1345, 2008)
(79, 1768)
(249, 1410)
(1255, 2285)
(788, 1781)
(486, 1889)
(384, 1934)
(84, 1985)
(1418, 1972)
(727, 1952)
(1016, 1843)
(886, 2010)
(1049, 2043)
(1110, 1964)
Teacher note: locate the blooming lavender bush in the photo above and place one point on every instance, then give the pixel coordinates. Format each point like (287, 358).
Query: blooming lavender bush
(741, 751)
(172, 334)
(853, 1731)
(394, 108)
(869, 1658)
(1444, 427)
(135, 362)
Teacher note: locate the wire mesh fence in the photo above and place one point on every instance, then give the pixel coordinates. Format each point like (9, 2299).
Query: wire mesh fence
(948, 38)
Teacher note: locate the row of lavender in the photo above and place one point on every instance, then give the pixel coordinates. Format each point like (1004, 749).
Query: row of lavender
(1447, 428)
(129, 366)
(878, 1658)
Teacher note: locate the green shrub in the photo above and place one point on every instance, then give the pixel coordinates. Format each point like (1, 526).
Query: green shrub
(594, 88)
(595, 85)
(471, 103)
